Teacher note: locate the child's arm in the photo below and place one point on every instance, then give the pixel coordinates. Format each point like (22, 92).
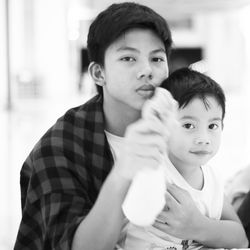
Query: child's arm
(225, 233)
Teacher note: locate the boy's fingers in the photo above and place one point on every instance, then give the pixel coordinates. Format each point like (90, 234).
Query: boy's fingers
(179, 194)
(161, 104)
(146, 127)
(171, 202)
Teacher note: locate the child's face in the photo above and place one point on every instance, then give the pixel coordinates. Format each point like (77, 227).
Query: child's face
(198, 137)
(134, 65)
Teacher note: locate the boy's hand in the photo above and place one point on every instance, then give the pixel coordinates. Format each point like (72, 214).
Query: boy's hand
(180, 217)
(146, 139)
(143, 148)
(164, 107)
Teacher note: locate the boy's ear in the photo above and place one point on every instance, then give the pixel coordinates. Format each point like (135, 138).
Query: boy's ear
(97, 74)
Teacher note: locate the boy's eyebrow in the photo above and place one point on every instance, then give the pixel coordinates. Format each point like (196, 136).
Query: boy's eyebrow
(122, 48)
(159, 50)
(126, 48)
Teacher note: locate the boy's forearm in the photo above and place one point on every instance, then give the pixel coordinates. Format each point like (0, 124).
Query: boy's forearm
(102, 226)
(222, 234)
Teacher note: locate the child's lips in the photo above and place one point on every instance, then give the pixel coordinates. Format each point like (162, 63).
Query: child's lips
(201, 152)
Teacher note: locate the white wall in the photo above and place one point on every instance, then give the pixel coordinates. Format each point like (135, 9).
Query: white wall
(3, 63)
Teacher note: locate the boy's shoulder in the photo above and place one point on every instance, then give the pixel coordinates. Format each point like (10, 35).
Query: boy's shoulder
(92, 105)
(80, 116)
(75, 126)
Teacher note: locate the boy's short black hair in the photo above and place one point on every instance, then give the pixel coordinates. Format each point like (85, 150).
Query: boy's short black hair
(185, 84)
(111, 23)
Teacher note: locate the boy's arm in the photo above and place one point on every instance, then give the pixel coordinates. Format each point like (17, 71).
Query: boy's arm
(225, 233)
(101, 228)
(145, 143)
(185, 221)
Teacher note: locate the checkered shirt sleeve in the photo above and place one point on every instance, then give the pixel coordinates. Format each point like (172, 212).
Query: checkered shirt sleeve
(61, 178)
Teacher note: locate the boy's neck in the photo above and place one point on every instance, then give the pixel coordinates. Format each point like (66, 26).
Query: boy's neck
(117, 119)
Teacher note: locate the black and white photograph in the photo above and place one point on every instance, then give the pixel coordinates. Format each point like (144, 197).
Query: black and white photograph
(124, 124)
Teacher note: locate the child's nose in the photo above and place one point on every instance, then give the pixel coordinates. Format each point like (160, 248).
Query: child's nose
(202, 140)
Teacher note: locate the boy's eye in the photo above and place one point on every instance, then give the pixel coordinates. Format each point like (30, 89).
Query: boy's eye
(188, 126)
(128, 59)
(157, 59)
(213, 126)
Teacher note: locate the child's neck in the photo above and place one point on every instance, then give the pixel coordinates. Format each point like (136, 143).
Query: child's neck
(193, 176)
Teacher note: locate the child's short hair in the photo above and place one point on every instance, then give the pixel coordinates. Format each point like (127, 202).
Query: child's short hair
(111, 23)
(185, 84)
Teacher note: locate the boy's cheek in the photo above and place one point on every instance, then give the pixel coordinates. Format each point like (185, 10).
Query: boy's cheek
(161, 75)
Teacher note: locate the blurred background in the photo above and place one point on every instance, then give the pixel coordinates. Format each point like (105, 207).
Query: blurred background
(43, 67)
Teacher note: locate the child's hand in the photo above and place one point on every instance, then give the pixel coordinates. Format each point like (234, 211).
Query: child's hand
(180, 217)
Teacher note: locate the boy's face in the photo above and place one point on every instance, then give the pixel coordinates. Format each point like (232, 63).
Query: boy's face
(198, 137)
(134, 65)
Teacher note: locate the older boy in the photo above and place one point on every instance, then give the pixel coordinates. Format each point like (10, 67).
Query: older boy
(65, 202)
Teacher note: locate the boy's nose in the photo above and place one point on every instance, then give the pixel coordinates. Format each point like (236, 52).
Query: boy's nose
(145, 72)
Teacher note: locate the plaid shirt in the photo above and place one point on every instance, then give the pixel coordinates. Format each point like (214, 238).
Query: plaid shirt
(61, 178)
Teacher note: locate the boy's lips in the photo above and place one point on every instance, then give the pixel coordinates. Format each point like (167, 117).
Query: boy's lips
(146, 91)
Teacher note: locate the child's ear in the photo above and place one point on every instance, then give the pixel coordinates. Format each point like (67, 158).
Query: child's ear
(97, 74)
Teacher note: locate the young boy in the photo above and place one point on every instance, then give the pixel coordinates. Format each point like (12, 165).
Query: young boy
(65, 202)
(191, 145)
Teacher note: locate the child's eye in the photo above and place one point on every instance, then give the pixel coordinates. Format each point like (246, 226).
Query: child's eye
(188, 126)
(213, 126)
(128, 59)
